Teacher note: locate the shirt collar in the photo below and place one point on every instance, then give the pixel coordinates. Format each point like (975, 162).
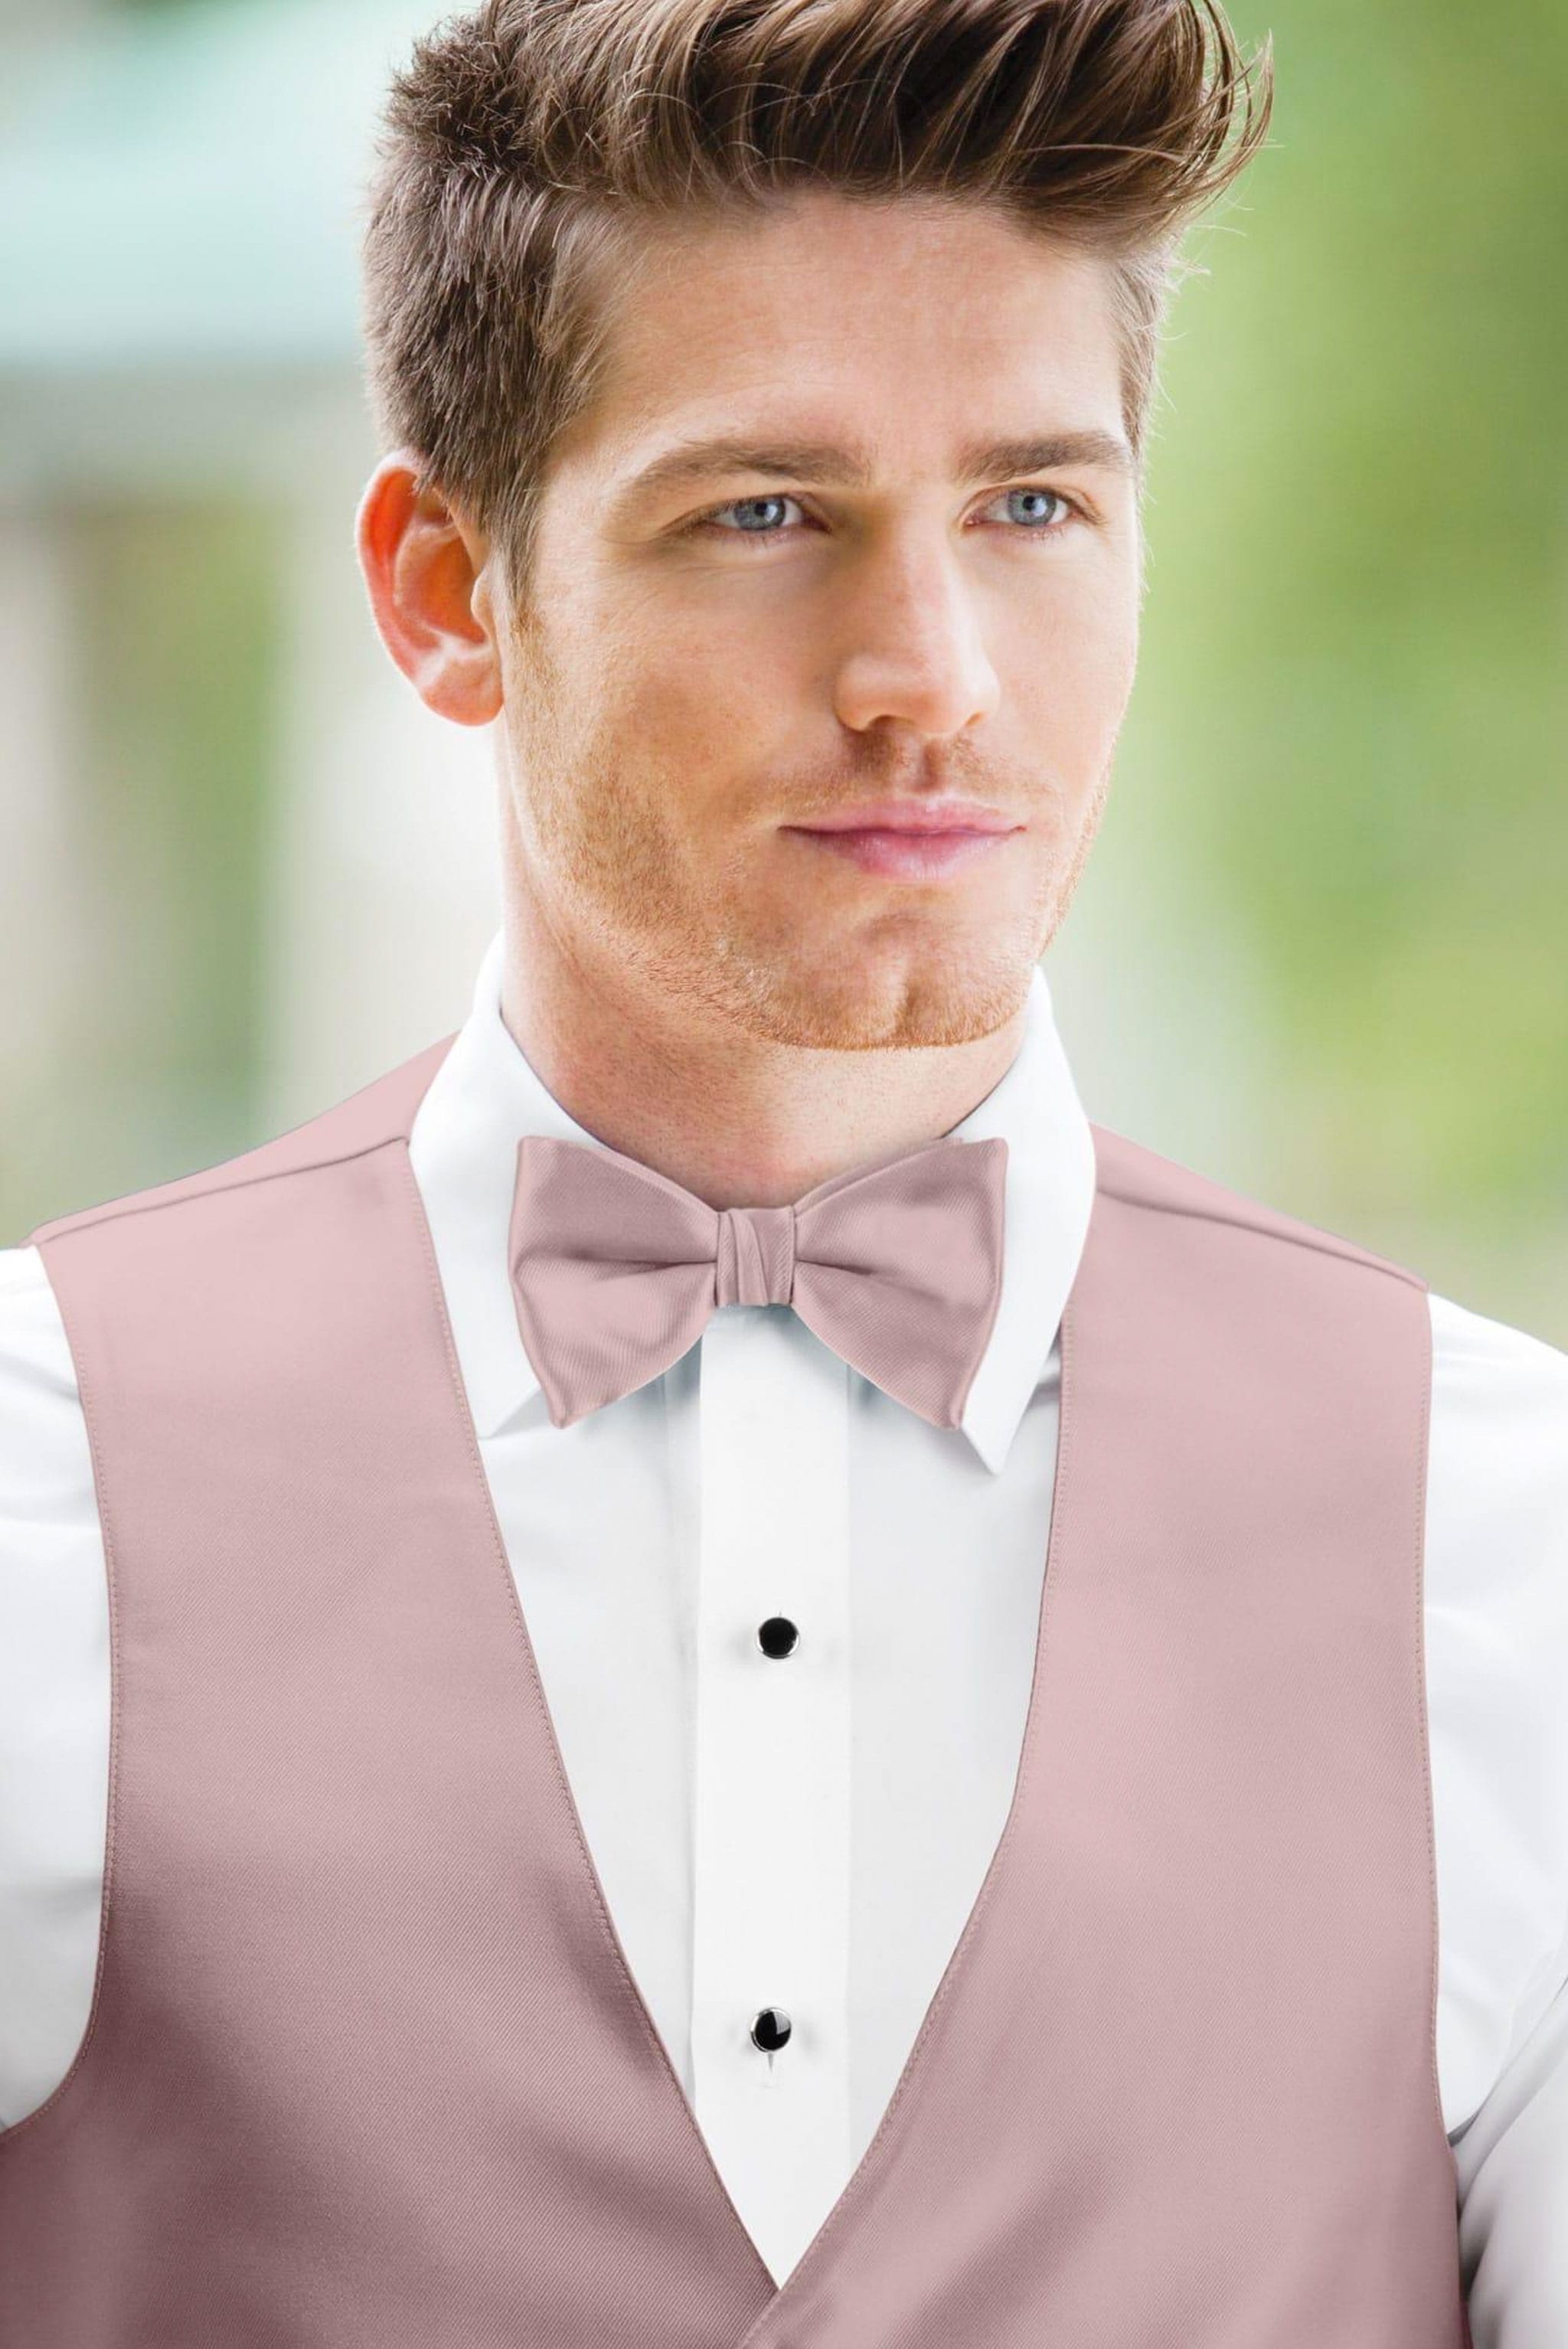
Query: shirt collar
(486, 1095)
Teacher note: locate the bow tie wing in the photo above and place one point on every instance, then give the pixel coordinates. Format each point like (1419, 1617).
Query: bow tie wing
(611, 1270)
(898, 1266)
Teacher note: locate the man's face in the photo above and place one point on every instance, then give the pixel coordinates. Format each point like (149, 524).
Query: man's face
(712, 662)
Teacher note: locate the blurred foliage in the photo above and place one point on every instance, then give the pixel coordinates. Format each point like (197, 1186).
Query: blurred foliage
(1356, 635)
(176, 657)
(1372, 527)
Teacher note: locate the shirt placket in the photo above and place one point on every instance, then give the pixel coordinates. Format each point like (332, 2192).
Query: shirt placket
(771, 1774)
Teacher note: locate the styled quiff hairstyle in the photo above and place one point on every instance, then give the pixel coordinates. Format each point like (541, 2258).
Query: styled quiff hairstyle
(526, 144)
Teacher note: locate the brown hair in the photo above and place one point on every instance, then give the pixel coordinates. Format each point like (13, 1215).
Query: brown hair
(524, 143)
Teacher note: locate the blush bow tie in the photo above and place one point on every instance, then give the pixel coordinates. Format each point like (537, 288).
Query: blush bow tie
(896, 1265)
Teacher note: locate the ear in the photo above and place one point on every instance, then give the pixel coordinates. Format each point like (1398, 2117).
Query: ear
(422, 566)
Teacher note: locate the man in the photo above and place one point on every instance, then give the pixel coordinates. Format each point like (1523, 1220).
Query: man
(764, 1690)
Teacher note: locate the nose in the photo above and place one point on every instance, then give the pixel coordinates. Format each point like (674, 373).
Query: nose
(914, 648)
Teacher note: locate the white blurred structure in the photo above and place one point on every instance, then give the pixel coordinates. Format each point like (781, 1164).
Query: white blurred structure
(179, 321)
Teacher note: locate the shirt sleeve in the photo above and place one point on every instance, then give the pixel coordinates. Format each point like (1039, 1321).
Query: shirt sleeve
(1512, 2163)
(54, 1696)
(1497, 1640)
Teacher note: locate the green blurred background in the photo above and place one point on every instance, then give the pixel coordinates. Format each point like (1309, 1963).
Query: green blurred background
(1321, 950)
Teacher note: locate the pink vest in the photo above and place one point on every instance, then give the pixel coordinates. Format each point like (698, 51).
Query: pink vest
(367, 2068)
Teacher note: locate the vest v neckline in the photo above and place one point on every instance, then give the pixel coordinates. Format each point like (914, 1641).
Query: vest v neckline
(926, 2051)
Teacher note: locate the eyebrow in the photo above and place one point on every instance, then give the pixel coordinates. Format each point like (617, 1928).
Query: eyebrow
(690, 462)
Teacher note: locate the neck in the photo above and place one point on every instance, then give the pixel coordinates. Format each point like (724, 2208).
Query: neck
(738, 1119)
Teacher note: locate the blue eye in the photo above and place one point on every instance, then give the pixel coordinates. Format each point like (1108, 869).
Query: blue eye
(749, 506)
(1052, 496)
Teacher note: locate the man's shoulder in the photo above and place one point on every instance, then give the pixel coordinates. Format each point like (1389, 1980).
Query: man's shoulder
(366, 1119)
(1137, 1175)
(1491, 1368)
(1506, 1383)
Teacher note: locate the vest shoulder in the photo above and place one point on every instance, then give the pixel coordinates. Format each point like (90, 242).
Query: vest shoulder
(377, 1112)
(1141, 1177)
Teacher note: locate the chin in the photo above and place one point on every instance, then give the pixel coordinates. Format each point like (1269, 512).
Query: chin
(835, 995)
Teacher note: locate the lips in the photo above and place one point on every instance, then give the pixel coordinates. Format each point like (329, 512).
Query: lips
(919, 816)
(900, 854)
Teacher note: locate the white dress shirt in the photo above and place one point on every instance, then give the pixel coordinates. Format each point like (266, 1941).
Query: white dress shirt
(813, 1837)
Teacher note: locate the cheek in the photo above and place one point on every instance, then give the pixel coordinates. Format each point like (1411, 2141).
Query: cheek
(707, 715)
(1090, 653)
(661, 761)
(1069, 691)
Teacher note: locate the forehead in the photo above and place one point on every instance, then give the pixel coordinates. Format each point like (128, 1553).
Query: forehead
(912, 322)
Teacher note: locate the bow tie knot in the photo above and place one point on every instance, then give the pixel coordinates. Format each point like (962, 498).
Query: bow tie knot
(896, 1265)
(755, 1259)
